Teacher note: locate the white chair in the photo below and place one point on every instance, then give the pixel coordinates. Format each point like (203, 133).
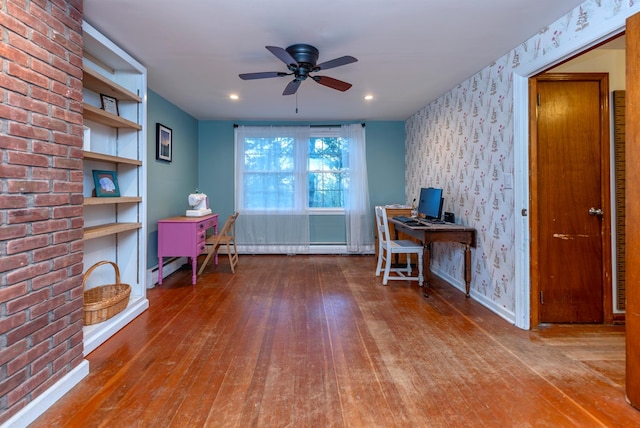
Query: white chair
(387, 247)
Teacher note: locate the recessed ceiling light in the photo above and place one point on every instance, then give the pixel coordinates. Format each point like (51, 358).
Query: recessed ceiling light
(234, 97)
(368, 97)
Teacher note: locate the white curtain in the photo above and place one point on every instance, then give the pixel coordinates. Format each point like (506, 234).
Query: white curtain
(358, 218)
(265, 177)
(272, 192)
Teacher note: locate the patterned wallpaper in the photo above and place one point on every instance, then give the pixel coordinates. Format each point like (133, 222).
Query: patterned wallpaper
(463, 142)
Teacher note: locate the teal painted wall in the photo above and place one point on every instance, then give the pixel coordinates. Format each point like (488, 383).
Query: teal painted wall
(386, 163)
(385, 166)
(203, 159)
(215, 165)
(168, 184)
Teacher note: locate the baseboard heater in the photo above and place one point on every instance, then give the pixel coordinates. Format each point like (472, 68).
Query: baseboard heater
(169, 266)
(319, 249)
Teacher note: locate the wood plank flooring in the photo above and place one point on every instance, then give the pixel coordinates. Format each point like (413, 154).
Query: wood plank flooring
(318, 341)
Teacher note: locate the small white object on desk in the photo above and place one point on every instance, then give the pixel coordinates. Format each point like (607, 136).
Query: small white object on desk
(199, 205)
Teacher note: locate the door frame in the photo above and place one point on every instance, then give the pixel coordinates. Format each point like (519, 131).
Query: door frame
(597, 35)
(605, 203)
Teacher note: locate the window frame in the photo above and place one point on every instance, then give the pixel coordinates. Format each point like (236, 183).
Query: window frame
(323, 132)
(301, 195)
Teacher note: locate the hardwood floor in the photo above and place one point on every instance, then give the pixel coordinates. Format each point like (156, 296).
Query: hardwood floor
(318, 341)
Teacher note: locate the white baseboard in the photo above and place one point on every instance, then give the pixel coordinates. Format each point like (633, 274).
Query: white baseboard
(328, 249)
(96, 334)
(167, 269)
(313, 249)
(40, 404)
(176, 263)
(460, 285)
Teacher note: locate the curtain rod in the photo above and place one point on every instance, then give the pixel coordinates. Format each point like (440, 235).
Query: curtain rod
(235, 125)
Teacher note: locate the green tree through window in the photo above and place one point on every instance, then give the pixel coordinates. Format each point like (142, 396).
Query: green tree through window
(269, 166)
(325, 171)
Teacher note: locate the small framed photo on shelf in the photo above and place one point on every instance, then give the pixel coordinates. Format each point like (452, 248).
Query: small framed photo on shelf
(106, 183)
(164, 143)
(109, 104)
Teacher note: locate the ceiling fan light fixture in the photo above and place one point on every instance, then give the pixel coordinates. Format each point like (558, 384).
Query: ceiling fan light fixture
(234, 97)
(368, 97)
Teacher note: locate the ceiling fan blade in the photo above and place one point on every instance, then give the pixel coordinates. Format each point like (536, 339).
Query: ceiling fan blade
(332, 83)
(343, 60)
(292, 87)
(262, 75)
(283, 56)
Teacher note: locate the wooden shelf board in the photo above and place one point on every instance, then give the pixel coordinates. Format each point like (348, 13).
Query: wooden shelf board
(95, 81)
(93, 232)
(98, 115)
(106, 201)
(109, 158)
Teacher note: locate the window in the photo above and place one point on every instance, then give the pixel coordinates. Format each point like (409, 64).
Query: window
(327, 175)
(284, 171)
(269, 180)
(285, 174)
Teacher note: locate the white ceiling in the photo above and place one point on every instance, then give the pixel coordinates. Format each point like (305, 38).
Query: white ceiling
(409, 51)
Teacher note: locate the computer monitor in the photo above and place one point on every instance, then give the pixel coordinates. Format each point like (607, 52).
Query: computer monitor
(430, 203)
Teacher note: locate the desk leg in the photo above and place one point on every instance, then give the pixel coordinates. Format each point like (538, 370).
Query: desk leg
(426, 266)
(194, 269)
(159, 270)
(215, 232)
(467, 268)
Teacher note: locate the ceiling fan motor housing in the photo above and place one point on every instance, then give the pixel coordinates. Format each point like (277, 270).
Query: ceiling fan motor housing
(306, 57)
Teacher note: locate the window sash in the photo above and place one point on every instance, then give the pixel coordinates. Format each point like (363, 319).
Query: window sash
(284, 172)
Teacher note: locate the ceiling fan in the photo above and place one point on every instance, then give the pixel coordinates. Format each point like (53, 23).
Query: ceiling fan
(301, 60)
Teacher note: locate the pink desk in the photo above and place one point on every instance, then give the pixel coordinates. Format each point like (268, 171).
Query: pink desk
(184, 237)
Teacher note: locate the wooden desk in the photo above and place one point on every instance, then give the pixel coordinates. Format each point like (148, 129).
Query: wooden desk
(184, 237)
(447, 232)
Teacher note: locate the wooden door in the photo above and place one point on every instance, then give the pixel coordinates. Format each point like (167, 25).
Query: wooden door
(632, 209)
(572, 196)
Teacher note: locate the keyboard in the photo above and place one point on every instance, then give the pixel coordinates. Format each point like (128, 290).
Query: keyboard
(435, 221)
(409, 221)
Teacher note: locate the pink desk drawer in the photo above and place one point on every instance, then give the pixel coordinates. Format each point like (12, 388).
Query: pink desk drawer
(184, 237)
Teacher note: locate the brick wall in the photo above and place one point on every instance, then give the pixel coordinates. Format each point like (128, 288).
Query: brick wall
(41, 222)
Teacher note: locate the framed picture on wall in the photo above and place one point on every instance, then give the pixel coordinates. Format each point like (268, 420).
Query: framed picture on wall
(164, 143)
(106, 183)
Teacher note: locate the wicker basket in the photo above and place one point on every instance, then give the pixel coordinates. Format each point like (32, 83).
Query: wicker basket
(105, 301)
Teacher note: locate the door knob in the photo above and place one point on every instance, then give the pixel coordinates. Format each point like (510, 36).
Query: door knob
(596, 211)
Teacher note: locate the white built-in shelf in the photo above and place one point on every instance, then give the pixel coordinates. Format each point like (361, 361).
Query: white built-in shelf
(115, 227)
